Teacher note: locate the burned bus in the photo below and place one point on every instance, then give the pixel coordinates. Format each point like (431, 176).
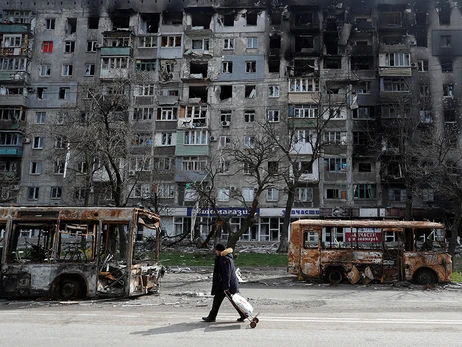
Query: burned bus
(365, 251)
(75, 252)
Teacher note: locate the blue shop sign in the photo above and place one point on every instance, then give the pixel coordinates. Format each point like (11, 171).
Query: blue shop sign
(229, 212)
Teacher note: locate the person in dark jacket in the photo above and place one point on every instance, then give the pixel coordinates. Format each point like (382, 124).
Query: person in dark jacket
(224, 279)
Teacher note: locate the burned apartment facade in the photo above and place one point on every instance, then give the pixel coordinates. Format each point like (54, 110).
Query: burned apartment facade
(202, 76)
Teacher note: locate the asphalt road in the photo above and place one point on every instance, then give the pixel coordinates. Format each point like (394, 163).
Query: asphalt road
(291, 314)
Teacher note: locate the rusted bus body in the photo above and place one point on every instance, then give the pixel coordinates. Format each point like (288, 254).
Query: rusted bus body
(72, 252)
(364, 251)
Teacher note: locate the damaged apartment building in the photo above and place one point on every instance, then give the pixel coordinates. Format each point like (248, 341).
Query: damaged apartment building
(202, 76)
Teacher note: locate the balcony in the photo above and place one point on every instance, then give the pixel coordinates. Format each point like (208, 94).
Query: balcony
(13, 100)
(11, 143)
(394, 71)
(116, 52)
(12, 76)
(10, 151)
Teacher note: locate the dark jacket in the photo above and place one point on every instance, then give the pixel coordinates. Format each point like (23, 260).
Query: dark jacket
(224, 273)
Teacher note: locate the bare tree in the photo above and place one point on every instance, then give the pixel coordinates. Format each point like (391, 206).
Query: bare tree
(256, 157)
(301, 140)
(439, 168)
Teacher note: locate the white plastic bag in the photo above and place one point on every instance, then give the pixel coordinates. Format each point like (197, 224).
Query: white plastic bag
(243, 304)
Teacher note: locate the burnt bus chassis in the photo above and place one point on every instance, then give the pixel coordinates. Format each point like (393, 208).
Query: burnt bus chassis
(334, 265)
(51, 274)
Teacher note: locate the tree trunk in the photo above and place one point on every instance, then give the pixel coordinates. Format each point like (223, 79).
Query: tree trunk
(284, 238)
(407, 180)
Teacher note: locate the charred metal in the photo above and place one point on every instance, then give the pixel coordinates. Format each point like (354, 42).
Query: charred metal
(366, 251)
(70, 253)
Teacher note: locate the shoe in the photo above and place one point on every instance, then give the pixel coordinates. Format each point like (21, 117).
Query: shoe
(208, 319)
(242, 319)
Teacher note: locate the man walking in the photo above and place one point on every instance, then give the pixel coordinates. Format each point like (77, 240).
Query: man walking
(224, 279)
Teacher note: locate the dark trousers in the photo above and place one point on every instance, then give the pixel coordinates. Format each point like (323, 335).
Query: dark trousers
(217, 300)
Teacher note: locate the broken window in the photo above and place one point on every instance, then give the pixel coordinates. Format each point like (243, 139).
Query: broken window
(303, 19)
(71, 25)
(226, 92)
(391, 19)
(421, 40)
(275, 42)
(275, 18)
(69, 46)
(274, 65)
(228, 43)
(66, 70)
(448, 90)
(172, 18)
(93, 22)
(251, 18)
(445, 15)
(363, 87)
(421, 18)
(303, 66)
(199, 69)
(150, 23)
(446, 64)
(332, 63)
(250, 91)
(304, 43)
(64, 93)
(227, 67)
(121, 21)
(250, 66)
(445, 41)
(392, 39)
(198, 92)
(201, 20)
(228, 20)
(41, 93)
(273, 91)
(362, 63)
(50, 23)
(202, 44)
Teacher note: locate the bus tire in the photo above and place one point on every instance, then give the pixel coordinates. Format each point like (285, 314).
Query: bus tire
(334, 275)
(424, 276)
(70, 288)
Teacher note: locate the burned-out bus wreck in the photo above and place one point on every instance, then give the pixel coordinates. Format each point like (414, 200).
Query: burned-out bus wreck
(365, 251)
(75, 252)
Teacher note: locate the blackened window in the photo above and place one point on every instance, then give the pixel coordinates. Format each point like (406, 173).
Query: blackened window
(93, 22)
(446, 64)
(251, 18)
(421, 18)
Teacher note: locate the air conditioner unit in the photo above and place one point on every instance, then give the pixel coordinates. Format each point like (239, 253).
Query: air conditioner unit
(255, 190)
(26, 140)
(232, 188)
(131, 173)
(30, 90)
(225, 123)
(213, 138)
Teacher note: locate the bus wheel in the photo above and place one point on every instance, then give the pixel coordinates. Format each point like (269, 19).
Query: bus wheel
(70, 288)
(424, 276)
(335, 276)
